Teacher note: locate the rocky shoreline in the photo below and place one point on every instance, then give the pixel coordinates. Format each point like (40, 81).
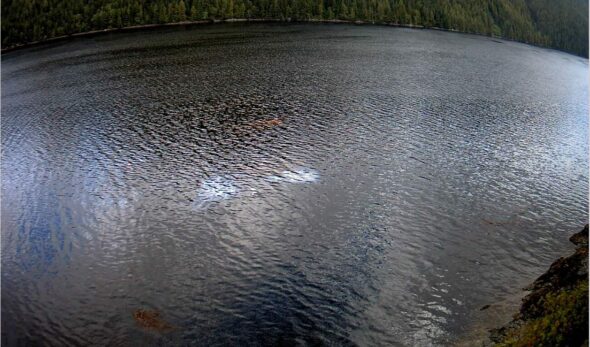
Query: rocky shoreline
(555, 313)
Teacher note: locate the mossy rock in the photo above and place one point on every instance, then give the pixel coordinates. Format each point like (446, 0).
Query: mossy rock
(564, 321)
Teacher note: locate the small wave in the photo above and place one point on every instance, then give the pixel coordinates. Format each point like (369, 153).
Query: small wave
(302, 175)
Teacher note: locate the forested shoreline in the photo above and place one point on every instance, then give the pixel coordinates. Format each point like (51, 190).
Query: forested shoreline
(560, 24)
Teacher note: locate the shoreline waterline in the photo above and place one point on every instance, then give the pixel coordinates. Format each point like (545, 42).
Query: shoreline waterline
(132, 28)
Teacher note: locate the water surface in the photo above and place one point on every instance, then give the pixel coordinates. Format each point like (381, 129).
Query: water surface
(283, 184)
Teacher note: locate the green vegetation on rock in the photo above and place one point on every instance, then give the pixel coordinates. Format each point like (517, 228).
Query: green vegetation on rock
(563, 322)
(555, 313)
(560, 24)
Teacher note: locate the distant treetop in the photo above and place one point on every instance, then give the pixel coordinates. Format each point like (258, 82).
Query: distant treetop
(560, 24)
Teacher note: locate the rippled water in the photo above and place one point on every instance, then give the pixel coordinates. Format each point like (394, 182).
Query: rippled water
(283, 184)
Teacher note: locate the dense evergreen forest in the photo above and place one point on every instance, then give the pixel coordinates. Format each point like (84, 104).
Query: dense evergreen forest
(561, 24)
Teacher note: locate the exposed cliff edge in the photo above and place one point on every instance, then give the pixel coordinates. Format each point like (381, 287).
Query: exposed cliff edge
(555, 313)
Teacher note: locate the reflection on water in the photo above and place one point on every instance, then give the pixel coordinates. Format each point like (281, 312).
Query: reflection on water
(300, 175)
(282, 184)
(216, 188)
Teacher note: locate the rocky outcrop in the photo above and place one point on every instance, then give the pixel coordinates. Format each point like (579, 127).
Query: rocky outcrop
(555, 313)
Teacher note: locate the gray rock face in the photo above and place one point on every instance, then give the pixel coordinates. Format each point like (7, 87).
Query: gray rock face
(581, 238)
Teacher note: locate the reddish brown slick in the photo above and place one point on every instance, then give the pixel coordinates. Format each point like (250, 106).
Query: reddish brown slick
(150, 319)
(266, 124)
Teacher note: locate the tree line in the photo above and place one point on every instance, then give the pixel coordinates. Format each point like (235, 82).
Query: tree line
(560, 24)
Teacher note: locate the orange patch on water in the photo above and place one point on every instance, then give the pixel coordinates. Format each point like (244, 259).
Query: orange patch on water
(150, 319)
(266, 123)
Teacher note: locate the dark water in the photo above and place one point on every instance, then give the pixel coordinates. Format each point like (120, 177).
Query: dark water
(283, 184)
